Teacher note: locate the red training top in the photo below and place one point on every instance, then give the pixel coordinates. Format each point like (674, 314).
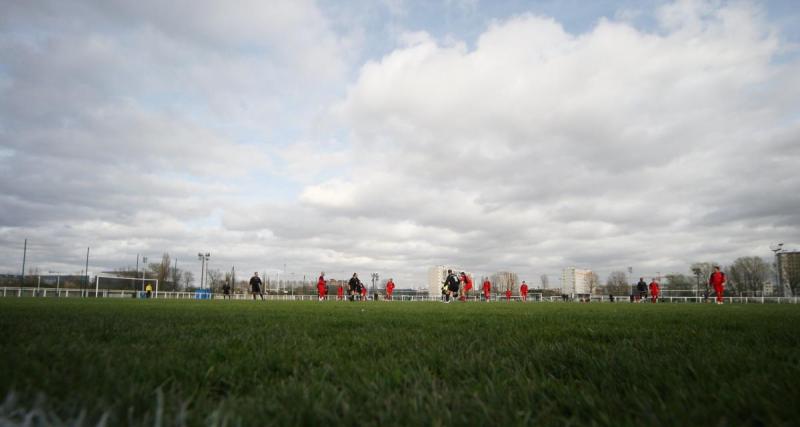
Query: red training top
(717, 278)
(487, 286)
(654, 288)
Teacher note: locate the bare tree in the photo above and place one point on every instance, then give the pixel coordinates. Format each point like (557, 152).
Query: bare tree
(215, 279)
(505, 280)
(175, 276)
(544, 281)
(592, 282)
(679, 282)
(188, 279)
(748, 274)
(617, 283)
(703, 270)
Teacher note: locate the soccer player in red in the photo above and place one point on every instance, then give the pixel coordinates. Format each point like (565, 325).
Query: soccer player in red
(363, 293)
(467, 286)
(340, 292)
(389, 289)
(487, 289)
(322, 287)
(523, 291)
(508, 295)
(655, 290)
(717, 281)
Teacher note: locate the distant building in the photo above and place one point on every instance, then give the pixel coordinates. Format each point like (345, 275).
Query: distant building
(575, 281)
(768, 289)
(789, 269)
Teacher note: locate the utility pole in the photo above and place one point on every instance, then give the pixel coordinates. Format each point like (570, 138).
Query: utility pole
(133, 282)
(87, 270)
(630, 272)
(777, 249)
(144, 270)
(203, 257)
(24, 255)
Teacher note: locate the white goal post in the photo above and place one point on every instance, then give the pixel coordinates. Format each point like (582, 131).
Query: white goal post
(141, 280)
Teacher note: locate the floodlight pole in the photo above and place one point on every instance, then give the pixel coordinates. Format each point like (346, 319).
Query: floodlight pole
(630, 272)
(203, 257)
(777, 249)
(133, 283)
(144, 270)
(24, 256)
(86, 280)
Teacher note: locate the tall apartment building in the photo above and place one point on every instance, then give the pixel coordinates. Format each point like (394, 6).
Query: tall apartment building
(575, 281)
(789, 270)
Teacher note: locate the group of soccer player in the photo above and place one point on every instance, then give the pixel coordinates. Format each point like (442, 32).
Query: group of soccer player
(357, 291)
(458, 286)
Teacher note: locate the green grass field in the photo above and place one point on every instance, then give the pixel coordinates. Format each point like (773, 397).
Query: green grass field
(137, 362)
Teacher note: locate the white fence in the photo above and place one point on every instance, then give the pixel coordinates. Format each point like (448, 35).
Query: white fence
(20, 292)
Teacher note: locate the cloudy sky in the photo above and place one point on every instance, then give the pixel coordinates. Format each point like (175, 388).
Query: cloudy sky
(392, 136)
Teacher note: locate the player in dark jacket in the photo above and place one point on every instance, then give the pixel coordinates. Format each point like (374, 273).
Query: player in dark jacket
(255, 286)
(355, 287)
(451, 283)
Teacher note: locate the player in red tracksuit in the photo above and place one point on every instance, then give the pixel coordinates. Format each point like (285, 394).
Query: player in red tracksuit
(508, 295)
(363, 293)
(340, 292)
(467, 286)
(655, 290)
(487, 289)
(523, 291)
(389, 289)
(322, 287)
(717, 281)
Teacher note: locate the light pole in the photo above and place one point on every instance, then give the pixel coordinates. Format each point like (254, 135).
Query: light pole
(630, 273)
(144, 270)
(203, 257)
(777, 249)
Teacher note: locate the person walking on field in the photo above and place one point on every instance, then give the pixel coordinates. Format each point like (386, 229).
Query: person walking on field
(226, 291)
(322, 287)
(451, 283)
(655, 291)
(355, 287)
(255, 286)
(717, 281)
(508, 295)
(363, 292)
(641, 289)
(523, 291)
(340, 292)
(487, 289)
(148, 290)
(389, 289)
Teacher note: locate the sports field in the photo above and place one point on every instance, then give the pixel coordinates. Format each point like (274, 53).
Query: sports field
(140, 362)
